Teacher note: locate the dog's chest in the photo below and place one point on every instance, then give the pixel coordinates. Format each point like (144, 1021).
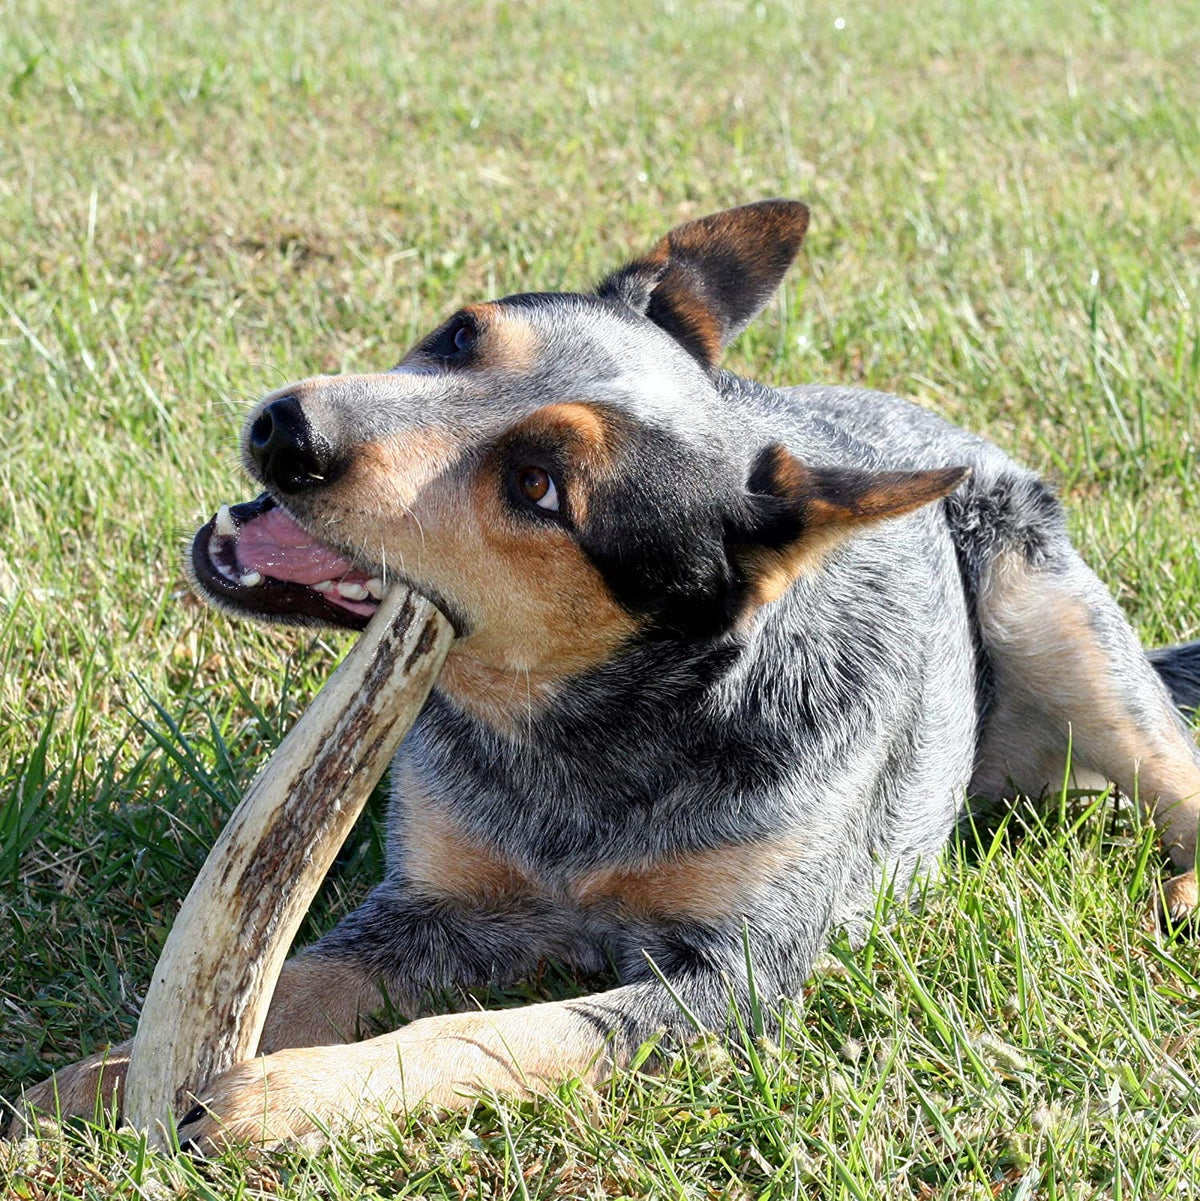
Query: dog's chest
(445, 854)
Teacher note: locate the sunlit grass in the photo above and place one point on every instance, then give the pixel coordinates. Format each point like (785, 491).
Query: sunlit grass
(198, 203)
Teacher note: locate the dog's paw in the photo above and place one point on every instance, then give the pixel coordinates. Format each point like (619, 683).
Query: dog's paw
(1175, 908)
(79, 1091)
(298, 1095)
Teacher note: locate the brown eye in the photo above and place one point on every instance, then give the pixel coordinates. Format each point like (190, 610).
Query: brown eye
(536, 485)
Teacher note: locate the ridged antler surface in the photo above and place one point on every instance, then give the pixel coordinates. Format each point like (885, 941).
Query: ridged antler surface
(209, 994)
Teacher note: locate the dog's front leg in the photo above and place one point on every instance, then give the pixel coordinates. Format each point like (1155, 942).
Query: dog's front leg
(318, 1000)
(445, 1061)
(399, 949)
(450, 1059)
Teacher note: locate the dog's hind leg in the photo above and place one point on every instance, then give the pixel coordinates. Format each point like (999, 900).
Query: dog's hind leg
(1179, 667)
(1067, 668)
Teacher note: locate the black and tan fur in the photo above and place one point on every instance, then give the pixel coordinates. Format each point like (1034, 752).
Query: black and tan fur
(751, 667)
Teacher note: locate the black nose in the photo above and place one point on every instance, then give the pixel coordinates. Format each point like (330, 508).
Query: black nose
(289, 455)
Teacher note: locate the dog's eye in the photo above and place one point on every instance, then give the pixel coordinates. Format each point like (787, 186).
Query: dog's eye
(453, 341)
(463, 336)
(537, 485)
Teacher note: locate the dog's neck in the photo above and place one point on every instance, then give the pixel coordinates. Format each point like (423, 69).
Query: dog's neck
(532, 709)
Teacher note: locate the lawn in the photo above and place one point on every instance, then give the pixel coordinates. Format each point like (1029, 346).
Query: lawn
(201, 201)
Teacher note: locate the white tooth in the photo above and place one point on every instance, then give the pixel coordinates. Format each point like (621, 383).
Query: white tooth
(223, 568)
(375, 587)
(352, 591)
(324, 586)
(251, 579)
(224, 524)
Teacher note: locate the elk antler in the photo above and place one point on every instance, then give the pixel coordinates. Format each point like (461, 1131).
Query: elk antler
(208, 997)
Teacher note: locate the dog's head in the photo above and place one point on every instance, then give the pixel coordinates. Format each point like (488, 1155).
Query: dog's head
(559, 472)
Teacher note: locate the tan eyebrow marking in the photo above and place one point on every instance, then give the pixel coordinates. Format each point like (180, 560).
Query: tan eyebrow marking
(506, 341)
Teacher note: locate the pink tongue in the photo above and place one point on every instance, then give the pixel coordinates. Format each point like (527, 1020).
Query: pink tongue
(276, 546)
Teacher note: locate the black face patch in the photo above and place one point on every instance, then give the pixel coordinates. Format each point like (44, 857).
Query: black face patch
(655, 532)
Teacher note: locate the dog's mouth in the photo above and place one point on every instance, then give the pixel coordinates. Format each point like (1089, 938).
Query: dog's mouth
(256, 560)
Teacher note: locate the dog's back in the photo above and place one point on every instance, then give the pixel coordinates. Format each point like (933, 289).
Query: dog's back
(1009, 534)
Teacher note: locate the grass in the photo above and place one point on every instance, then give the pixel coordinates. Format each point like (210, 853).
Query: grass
(198, 202)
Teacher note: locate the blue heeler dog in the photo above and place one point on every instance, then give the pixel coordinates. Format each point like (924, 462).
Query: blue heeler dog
(728, 658)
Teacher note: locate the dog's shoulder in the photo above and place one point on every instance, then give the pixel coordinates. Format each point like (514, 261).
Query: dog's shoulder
(1002, 506)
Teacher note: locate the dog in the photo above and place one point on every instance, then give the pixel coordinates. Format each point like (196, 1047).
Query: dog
(729, 659)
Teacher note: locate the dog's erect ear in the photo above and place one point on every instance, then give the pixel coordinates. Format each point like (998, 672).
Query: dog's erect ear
(706, 280)
(796, 513)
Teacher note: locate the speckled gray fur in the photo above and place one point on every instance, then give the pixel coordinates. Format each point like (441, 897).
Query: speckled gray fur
(848, 713)
(854, 715)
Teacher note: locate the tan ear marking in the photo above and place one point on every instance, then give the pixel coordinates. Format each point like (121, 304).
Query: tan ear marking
(681, 305)
(764, 235)
(704, 282)
(773, 572)
(855, 500)
(829, 504)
